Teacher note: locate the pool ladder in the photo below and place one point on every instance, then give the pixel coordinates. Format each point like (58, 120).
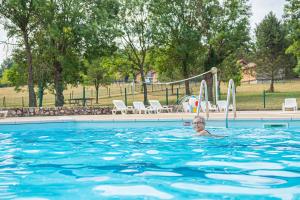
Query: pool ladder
(203, 88)
(231, 87)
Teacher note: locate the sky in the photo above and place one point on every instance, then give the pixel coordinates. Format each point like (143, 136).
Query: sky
(259, 9)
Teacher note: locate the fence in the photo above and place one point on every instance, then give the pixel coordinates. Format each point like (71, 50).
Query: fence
(249, 96)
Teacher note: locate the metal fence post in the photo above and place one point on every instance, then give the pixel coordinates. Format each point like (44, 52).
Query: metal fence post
(125, 96)
(84, 100)
(167, 100)
(70, 98)
(264, 97)
(177, 95)
(4, 102)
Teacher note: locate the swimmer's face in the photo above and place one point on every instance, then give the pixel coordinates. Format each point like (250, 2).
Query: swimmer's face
(198, 124)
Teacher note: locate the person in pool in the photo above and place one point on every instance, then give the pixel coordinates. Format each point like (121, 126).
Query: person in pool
(199, 127)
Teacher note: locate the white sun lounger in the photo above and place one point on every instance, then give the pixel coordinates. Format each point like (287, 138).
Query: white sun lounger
(157, 107)
(119, 106)
(3, 114)
(221, 105)
(210, 107)
(290, 103)
(140, 107)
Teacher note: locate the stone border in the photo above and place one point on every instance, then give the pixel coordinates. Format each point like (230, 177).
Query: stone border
(61, 111)
(57, 111)
(241, 115)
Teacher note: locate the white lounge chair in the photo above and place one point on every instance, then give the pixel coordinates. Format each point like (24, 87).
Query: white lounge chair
(3, 114)
(221, 105)
(119, 105)
(290, 103)
(157, 107)
(139, 107)
(210, 107)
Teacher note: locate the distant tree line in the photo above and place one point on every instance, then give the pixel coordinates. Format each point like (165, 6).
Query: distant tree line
(71, 42)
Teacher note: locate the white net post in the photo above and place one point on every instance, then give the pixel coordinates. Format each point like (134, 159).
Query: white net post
(214, 71)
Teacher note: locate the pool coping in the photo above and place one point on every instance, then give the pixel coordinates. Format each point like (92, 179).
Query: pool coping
(241, 115)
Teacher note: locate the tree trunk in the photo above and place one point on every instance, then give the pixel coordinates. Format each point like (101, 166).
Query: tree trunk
(58, 84)
(271, 89)
(144, 85)
(32, 97)
(186, 75)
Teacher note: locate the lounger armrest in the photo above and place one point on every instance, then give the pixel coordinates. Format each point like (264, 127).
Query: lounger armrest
(130, 108)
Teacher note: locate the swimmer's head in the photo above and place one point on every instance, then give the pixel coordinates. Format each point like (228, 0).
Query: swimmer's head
(199, 123)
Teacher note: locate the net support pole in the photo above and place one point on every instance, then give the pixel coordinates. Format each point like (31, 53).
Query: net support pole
(214, 71)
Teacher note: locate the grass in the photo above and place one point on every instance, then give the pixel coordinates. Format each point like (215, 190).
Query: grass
(248, 96)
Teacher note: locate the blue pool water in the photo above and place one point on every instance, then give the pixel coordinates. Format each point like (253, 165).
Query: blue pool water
(147, 160)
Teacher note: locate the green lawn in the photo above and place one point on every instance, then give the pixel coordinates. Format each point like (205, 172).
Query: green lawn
(248, 96)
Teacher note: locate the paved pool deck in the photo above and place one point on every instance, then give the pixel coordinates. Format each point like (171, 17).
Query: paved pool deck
(241, 115)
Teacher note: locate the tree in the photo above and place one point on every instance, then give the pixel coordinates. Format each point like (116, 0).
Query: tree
(43, 70)
(20, 21)
(177, 31)
(74, 30)
(61, 24)
(122, 67)
(227, 35)
(198, 35)
(6, 64)
(165, 66)
(17, 74)
(292, 19)
(99, 73)
(270, 47)
(134, 23)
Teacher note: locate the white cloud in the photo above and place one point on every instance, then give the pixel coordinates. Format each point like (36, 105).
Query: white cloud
(5, 50)
(260, 8)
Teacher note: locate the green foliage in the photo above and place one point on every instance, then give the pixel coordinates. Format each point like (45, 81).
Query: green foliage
(292, 18)
(194, 36)
(16, 76)
(136, 34)
(122, 67)
(231, 69)
(6, 64)
(230, 39)
(166, 67)
(270, 47)
(20, 20)
(99, 71)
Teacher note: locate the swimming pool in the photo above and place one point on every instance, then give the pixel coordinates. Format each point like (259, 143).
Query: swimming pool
(148, 160)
